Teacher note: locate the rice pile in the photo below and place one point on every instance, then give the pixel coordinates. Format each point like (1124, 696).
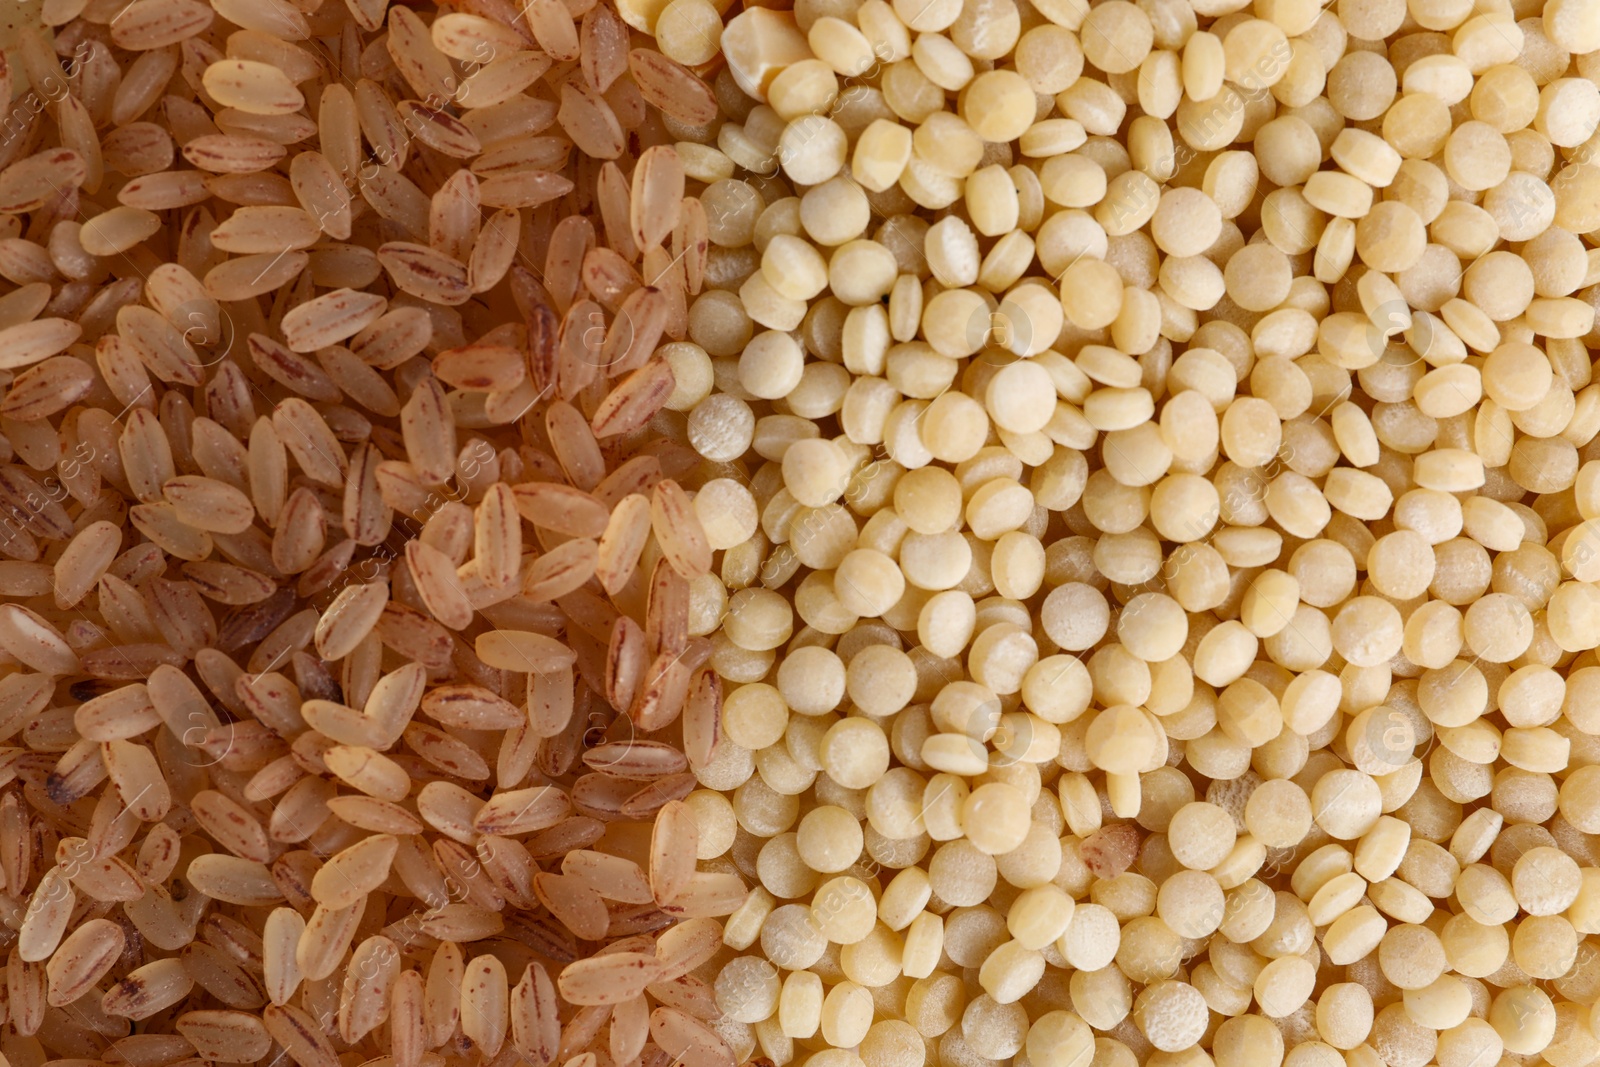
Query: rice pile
(863, 533)
(338, 548)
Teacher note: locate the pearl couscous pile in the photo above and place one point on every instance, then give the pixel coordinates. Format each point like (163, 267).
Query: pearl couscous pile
(1150, 452)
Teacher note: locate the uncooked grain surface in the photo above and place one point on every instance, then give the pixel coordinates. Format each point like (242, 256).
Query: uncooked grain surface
(610, 533)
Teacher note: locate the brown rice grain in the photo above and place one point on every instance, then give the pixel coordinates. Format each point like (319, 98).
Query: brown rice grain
(78, 964)
(235, 1036)
(299, 1035)
(147, 990)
